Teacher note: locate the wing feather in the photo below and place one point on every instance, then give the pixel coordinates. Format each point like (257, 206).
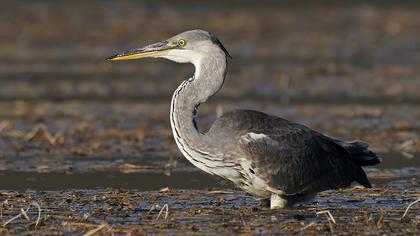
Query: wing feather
(298, 160)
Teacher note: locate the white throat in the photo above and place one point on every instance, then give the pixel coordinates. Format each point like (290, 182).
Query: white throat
(186, 56)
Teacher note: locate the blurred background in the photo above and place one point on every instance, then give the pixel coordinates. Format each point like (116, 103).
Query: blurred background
(70, 119)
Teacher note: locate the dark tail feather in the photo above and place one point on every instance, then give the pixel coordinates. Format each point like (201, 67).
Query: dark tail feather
(360, 153)
(361, 156)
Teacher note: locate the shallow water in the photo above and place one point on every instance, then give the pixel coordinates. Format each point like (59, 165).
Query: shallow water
(144, 181)
(141, 177)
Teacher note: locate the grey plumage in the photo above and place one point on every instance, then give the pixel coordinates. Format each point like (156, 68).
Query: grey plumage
(267, 156)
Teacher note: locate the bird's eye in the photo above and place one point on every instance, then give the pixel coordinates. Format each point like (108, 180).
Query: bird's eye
(181, 43)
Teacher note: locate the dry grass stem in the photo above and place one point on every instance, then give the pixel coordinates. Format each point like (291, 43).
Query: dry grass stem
(42, 130)
(39, 213)
(380, 220)
(95, 230)
(307, 226)
(1, 209)
(329, 217)
(164, 190)
(166, 208)
(11, 219)
(24, 214)
(408, 208)
(220, 192)
(85, 225)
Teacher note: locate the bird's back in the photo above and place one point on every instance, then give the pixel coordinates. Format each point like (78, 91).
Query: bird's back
(292, 157)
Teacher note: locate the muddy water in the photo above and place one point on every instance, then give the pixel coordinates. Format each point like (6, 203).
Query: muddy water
(138, 176)
(145, 181)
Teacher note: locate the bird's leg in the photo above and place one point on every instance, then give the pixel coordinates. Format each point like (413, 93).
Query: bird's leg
(264, 202)
(277, 202)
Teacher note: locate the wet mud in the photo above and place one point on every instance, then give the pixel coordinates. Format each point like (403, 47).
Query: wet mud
(117, 211)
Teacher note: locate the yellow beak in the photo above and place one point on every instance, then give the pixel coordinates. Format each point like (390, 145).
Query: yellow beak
(153, 50)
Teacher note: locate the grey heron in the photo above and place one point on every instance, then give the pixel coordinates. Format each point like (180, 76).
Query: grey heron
(278, 161)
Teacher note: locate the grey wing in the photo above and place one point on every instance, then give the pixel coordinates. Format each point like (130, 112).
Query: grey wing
(298, 160)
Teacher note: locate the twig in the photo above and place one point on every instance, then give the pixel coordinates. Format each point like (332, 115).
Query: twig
(380, 220)
(164, 190)
(42, 129)
(328, 213)
(166, 212)
(70, 224)
(357, 187)
(307, 226)
(220, 192)
(329, 217)
(39, 213)
(93, 231)
(1, 209)
(11, 219)
(408, 208)
(23, 213)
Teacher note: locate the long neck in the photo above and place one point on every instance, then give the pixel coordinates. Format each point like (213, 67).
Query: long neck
(208, 79)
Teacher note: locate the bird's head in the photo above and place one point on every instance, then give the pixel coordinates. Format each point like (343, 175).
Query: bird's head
(188, 47)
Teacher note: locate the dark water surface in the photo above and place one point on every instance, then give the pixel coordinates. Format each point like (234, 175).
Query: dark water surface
(12, 180)
(394, 167)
